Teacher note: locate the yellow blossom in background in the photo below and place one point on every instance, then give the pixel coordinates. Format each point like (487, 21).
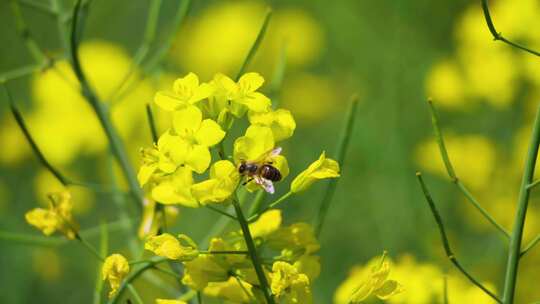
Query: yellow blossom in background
(371, 280)
(310, 265)
(57, 103)
(219, 38)
(57, 218)
(280, 121)
(311, 97)
(114, 269)
(198, 135)
(288, 285)
(322, 168)
(165, 301)
(473, 158)
(175, 189)
(166, 245)
(223, 181)
(186, 91)
(202, 270)
(445, 85)
(267, 223)
(231, 290)
(152, 220)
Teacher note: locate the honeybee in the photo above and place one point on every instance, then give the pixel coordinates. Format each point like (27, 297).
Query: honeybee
(261, 171)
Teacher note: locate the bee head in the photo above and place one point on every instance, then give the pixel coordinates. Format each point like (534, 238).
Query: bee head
(242, 168)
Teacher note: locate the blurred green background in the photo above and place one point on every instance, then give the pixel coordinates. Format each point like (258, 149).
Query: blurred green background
(394, 54)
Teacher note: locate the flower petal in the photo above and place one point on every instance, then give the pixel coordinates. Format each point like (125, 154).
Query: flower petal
(209, 133)
(187, 121)
(198, 158)
(167, 101)
(250, 82)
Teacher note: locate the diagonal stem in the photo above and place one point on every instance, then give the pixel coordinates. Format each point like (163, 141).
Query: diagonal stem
(530, 246)
(514, 251)
(446, 244)
(452, 174)
(341, 151)
(497, 35)
(253, 252)
(101, 110)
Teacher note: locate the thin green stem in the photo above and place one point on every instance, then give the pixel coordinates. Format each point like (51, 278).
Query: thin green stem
(135, 294)
(498, 35)
(270, 206)
(101, 110)
(519, 221)
(154, 61)
(151, 123)
(22, 125)
(39, 6)
(244, 289)
(22, 28)
(89, 247)
(242, 252)
(144, 48)
(168, 272)
(263, 282)
(21, 72)
(217, 210)
(199, 297)
(132, 277)
(103, 249)
(446, 244)
(255, 45)
(529, 246)
(452, 174)
(342, 148)
(533, 184)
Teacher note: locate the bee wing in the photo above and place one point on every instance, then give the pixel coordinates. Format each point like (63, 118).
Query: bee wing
(270, 153)
(267, 185)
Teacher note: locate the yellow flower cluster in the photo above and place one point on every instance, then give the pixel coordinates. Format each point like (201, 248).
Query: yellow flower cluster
(115, 268)
(225, 270)
(57, 218)
(201, 115)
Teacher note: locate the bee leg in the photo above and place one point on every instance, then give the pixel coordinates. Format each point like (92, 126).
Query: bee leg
(247, 181)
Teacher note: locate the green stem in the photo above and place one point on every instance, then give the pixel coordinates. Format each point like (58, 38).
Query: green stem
(446, 244)
(89, 247)
(21, 72)
(445, 290)
(270, 206)
(142, 51)
(341, 151)
(101, 111)
(497, 35)
(452, 174)
(533, 184)
(168, 272)
(39, 6)
(26, 35)
(199, 297)
(224, 213)
(135, 294)
(151, 123)
(255, 45)
(519, 221)
(103, 249)
(253, 252)
(530, 246)
(22, 125)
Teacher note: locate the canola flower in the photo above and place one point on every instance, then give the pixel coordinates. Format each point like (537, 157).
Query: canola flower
(115, 268)
(57, 217)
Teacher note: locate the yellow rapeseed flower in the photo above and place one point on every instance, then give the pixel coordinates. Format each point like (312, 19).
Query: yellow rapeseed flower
(175, 188)
(280, 121)
(288, 285)
(231, 290)
(115, 269)
(223, 181)
(372, 280)
(320, 169)
(166, 245)
(186, 91)
(163, 159)
(244, 92)
(57, 218)
(267, 223)
(198, 134)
